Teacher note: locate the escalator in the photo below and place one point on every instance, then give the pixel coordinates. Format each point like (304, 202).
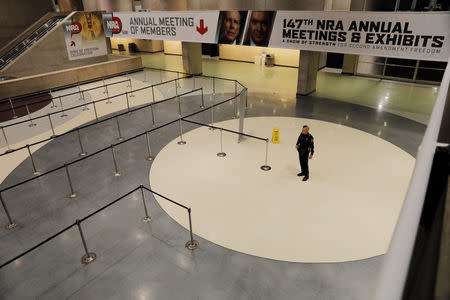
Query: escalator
(29, 40)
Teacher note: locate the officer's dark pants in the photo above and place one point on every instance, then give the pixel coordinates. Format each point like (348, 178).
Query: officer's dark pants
(303, 156)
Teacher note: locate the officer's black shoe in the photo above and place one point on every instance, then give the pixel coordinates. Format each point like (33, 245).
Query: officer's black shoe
(305, 178)
(300, 174)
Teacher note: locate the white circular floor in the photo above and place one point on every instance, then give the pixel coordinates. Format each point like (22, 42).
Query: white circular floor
(346, 211)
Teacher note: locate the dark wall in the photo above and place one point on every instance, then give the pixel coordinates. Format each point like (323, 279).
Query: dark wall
(18, 15)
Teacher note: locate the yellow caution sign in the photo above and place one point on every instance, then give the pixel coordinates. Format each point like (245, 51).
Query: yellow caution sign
(276, 135)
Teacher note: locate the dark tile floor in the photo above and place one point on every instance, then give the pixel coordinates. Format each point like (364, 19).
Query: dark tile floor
(148, 260)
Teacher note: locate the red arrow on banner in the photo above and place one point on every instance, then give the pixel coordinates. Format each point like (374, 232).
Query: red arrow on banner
(202, 29)
(72, 44)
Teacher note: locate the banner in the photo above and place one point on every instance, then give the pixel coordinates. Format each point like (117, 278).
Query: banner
(416, 35)
(187, 26)
(84, 35)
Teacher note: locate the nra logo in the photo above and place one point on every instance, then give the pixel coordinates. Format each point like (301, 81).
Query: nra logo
(74, 28)
(115, 25)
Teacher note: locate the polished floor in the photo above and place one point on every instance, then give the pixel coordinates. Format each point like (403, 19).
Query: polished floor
(148, 260)
(346, 211)
(413, 101)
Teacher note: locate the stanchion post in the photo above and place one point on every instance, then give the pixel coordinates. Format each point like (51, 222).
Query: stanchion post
(108, 100)
(214, 85)
(193, 82)
(14, 116)
(128, 101)
(153, 95)
(179, 105)
(150, 156)
(120, 138)
(147, 218)
(82, 152)
(95, 111)
(29, 117)
(35, 171)
(6, 140)
(84, 101)
(88, 257)
(116, 171)
(203, 100)
(191, 244)
(266, 167)
(153, 116)
(160, 76)
(131, 90)
(221, 153)
(51, 126)
(79, 91)
(63, 113)
(235, 106)
(181, 141)
(72, 194)
(176, 87)
(104, 86)
(246, 101)
(11, 224)
(212, 118)
(235, 88)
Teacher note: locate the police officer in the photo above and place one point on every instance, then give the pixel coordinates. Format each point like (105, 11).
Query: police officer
(305, 148)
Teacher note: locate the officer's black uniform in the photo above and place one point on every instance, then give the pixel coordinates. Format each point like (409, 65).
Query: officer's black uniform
(305, 143)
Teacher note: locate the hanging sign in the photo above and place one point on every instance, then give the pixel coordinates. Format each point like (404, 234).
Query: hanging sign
(84, 35)
(417, 35)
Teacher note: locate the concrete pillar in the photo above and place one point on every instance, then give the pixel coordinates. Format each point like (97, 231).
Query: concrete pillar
(349, 64)
(70, 5)
(108, 5)
(307, 72)
(192, 57)
(151, 4)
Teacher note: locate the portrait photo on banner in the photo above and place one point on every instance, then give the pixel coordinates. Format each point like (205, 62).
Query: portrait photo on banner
(231, 27)
(258, 28)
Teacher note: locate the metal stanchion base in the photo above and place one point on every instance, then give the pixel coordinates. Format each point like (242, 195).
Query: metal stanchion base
(221, 154)
(202, 106)
(73, 195)
(82, 153)
(149, 158)
(108, 102)
(11, 225)
(8, 151)
(132, 95)
(53, 136)
(181, 142)
(88, 258)
(211, 128)
(31, 125)
(192, 245)
(146, 219)
(36, 173)
(15, 117)
(120, 138)
(117, 174)
(63, 115)
(266, 168)
(86, 108)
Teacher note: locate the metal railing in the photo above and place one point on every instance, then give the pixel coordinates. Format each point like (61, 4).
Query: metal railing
(89, 256)
(63, 87)
(97, 121)
(80, 92)
(38, 174)
(396, 261)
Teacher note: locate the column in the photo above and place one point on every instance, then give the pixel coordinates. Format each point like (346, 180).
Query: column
(349, 64)
(70, 5)
(192, 57)
(307, 72)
